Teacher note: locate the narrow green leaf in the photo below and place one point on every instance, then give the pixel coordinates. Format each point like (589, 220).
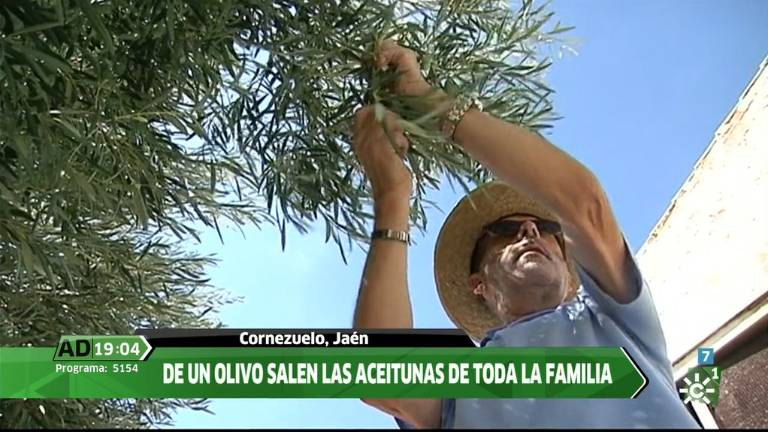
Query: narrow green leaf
(94, 16)
(213, 177)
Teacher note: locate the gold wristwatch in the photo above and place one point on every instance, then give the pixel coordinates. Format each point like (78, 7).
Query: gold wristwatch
(461, 105)
(388, 234)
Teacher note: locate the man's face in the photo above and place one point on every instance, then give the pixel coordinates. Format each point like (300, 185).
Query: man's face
(520, 271)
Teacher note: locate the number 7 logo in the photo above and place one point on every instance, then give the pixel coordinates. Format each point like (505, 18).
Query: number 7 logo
(706, 356)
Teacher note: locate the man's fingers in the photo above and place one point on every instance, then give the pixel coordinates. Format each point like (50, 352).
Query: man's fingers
(400, 58)
(389, 43)
(383, 59)
(390, 53)
(366, 125)
(401, 145)
(392, 125)
(362, 115)
(365, 117)
(385, 52)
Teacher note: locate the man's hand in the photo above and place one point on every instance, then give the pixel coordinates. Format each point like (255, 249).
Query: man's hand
(383, 164)
(411, 82)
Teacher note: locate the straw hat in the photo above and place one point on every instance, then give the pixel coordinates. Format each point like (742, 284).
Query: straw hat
(456, 242)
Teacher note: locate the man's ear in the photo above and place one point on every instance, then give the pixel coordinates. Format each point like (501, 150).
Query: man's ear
(476, 284)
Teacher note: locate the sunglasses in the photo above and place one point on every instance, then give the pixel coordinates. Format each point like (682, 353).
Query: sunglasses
(508, 228)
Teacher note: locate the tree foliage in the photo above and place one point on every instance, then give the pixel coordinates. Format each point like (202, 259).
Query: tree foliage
(126, 124)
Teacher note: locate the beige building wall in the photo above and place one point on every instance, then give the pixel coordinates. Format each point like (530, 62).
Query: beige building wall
(707, 258)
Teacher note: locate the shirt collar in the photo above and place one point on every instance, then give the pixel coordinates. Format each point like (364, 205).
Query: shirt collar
(491, 333)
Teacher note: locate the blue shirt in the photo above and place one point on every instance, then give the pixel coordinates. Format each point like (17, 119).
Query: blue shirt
(591, 319)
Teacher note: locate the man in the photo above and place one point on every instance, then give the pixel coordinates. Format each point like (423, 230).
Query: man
(509, 263)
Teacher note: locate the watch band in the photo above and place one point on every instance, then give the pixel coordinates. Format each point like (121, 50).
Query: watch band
(388, 234)
(461, 105)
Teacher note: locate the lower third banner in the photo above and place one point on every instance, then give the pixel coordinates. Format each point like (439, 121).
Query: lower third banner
(140, 371)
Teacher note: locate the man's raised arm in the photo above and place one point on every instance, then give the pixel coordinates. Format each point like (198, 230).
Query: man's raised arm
(531, 164)
(528, 162)
(383, 301)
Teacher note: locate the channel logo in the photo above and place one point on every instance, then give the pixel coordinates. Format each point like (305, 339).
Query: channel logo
(702, 383)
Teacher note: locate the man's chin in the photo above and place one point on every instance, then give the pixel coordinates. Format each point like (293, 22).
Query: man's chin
(532, 255)
(536, 273)
(536, 269)
(534, 263)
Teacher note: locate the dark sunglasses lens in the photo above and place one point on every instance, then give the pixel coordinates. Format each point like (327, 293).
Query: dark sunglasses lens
(548, 227)
(508, 227)
(504, 227)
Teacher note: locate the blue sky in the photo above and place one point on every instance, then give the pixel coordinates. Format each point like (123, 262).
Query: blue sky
(641, 101)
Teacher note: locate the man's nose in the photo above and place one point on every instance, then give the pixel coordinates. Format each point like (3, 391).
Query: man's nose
(528, 229)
